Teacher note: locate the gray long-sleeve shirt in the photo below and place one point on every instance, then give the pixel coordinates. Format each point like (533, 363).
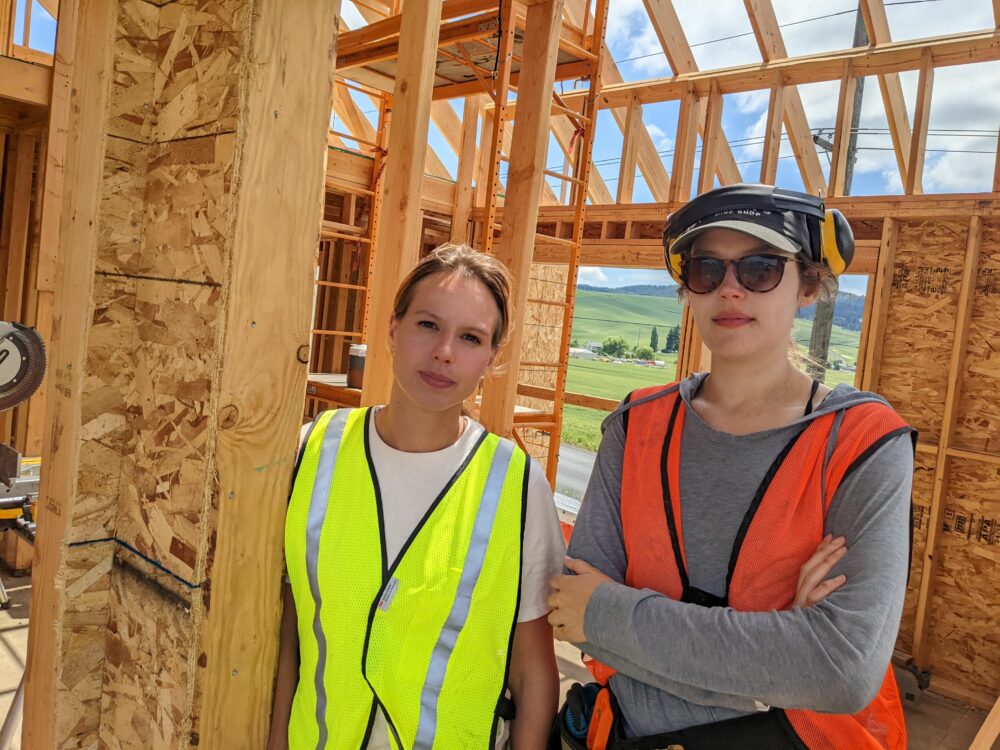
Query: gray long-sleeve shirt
(682, 664)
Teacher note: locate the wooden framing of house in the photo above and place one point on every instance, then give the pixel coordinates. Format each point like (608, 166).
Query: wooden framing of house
(155, 429)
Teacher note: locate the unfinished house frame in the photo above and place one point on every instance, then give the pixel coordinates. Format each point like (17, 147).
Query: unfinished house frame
(201, 249)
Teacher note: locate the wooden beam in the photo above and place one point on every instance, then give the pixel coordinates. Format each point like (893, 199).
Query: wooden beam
(444, 117)
(880, 304)
(772, 135)
(51, 7)
(939, 491)
(464, 191)
(565, 134)
(996, 14)
(842, 132)
(626, 170)
(996, 170)
(650, 162)
(957, 49)
(25, 82)
(397, 246)
(877, 27)
(921, 120)
(164, 323)
(520, 216)
(772, 47)
(675, 45)
(18, 214)
(6, 26)
(15, 254)
(711, 144)
(684, 147)
(442, 114)
(990, 730)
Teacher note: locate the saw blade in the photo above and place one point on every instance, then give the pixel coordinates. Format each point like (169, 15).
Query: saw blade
(22, 363)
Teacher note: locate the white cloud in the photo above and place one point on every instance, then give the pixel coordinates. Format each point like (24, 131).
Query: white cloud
(662, 141)
(958, 173)
(751, 102)
(630, 34)
(958, 103)
(592, 275)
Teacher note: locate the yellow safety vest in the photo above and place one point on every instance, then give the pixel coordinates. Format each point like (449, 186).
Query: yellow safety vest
(428, 639)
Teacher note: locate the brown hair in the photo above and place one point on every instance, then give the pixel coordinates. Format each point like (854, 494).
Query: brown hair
(455, 258)
(817, 277)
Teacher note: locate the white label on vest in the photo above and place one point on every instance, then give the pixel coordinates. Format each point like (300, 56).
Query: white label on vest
(385, 601)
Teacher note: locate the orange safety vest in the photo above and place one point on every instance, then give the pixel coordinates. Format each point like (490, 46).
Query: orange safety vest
(782, 528)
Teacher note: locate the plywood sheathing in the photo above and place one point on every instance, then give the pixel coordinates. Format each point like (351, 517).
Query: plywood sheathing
(542, 331)
(923, 482)
(186, 131)
(959, 637)
(963, 639)
(978, 424)
(921, 321)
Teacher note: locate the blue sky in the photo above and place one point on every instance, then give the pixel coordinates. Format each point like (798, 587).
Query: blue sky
(963, 123)
(961, 143)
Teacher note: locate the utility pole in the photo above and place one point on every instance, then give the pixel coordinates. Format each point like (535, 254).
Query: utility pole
(819, 341)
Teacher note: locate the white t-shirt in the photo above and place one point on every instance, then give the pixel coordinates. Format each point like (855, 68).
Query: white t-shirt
(410, 482)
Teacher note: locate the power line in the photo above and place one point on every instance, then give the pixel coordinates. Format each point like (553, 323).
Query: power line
(780, 26)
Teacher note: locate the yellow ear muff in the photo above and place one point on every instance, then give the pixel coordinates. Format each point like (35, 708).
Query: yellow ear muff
(674, 265)
(838, 242)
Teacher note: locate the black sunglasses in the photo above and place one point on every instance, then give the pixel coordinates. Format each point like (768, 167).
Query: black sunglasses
(755, 273)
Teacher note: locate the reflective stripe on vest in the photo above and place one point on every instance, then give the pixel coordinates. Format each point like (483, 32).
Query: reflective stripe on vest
(781, 530)
(434, 631)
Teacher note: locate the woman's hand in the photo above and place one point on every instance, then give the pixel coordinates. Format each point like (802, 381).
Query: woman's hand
(812, 588)
(569, 598)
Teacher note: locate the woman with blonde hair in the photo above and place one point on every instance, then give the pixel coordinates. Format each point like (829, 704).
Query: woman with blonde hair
(419, 547)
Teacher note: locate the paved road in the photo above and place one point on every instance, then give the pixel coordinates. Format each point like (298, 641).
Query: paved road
(575, 465)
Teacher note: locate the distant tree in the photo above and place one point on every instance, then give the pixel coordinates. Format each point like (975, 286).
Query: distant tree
(673, 340)
(614, 346)
(654, 339)
(644, 352)
(575, 344)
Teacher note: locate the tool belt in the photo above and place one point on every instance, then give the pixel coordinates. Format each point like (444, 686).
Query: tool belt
(591, 720)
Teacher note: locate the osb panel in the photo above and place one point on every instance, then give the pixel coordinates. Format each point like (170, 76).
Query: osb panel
(175, 357)
(176, 69)
(120, 212)
(978, 424)
(542, 339)
(135, 51)
(188, 203)
(916, 350)
(542, 324)
(84, 625)
(164, 208)
(965, 610)
(104, 418)
(197, 81)
(145, 702)
(923, 483)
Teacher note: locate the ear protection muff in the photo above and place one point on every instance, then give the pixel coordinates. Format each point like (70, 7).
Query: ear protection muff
(831, 240)
(837, 242)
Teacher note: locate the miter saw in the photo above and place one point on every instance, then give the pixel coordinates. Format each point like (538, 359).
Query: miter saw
(22, 367)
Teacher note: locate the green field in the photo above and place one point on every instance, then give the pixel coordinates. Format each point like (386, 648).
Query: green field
(602, 314)
(582, 427)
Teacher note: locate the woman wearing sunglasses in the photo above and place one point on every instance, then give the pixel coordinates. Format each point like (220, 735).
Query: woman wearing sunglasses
(710, 495)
